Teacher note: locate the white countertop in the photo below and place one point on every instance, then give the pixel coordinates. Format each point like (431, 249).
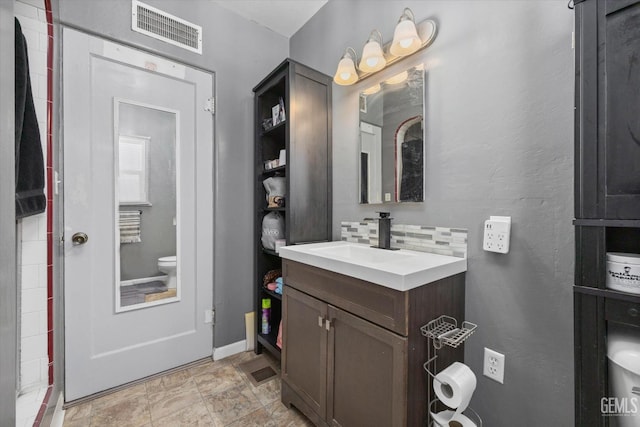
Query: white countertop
(401, 270)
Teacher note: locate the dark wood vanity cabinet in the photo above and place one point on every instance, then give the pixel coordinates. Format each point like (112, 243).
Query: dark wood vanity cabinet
(304, 133)
(607, 187)
(353, 353)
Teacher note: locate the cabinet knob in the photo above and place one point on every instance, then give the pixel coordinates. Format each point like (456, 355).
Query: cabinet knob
(328, 325)
(320, 321)
(633, 312)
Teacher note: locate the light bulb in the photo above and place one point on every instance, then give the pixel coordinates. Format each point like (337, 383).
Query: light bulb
(372, 62)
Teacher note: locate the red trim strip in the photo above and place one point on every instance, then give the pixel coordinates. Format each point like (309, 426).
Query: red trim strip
(49, 190)
(43, 408)
(49, 13)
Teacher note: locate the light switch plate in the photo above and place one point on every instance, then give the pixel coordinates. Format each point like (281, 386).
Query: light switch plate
(497, 233)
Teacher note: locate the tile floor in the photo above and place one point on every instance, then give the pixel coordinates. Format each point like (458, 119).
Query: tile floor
(209, 394)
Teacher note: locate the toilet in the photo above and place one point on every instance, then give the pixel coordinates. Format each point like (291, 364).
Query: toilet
(623, 351)
(168, 265)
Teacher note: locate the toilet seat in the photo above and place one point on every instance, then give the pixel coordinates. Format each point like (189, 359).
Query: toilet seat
(167, 260)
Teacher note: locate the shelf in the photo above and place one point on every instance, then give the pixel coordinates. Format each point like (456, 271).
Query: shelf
(274, 128)
(608, 293)
(273, 171)
(272, 294)
(270, 252)
(444, 330)
(269, 342)
(607, 222)
(274, 209)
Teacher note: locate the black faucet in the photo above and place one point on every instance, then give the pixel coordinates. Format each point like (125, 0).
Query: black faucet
(384, 231)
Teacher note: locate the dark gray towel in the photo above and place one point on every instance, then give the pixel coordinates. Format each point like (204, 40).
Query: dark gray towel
(30, 198)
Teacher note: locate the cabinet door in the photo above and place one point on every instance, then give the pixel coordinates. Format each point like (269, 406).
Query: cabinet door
(367, 379)
(608, 107)
(304, 348)
(622, 117)
(309, 191)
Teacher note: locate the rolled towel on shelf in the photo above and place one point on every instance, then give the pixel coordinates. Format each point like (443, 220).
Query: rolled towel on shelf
(129, 224)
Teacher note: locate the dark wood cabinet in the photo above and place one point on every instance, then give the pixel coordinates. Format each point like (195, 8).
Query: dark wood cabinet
(607, 187)
(353, 352)
(305, 134)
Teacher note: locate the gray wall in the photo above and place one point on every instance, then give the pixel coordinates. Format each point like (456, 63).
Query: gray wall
(241, 53)
(499, 129)
(157, 232)
(8, 280)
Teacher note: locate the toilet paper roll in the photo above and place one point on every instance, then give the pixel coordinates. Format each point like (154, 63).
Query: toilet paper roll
(455, 385)
(446, 419)
(460, 421)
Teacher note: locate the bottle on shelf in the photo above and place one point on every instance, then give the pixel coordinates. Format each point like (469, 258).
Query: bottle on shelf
(266, 315)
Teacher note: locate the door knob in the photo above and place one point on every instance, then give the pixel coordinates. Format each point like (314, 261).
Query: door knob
(79, 238)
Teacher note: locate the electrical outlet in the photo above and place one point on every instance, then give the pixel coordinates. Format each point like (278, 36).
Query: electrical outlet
(493, 365)
(497, 232)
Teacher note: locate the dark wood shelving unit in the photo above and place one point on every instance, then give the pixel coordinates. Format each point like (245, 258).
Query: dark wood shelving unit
(273, 129)
(305, 134)
(270, 252)
(272, 294)
(274, 171)
(269, 342)
(607, 188)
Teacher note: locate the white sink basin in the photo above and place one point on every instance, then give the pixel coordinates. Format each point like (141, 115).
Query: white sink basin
(401, 270)
(361, 253)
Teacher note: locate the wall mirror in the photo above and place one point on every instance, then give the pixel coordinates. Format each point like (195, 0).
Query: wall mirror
(146, 200)
(392, 140)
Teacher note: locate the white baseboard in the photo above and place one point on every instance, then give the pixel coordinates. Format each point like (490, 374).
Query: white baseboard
(229, 350)
(58, 415)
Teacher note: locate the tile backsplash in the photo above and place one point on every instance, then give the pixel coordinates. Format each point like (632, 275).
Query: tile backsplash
(437, 240)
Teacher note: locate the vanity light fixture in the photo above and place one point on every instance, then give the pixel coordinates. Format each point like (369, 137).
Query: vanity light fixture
(346, 73)
(372, 54)
(408, 39)
(405, 37)
(373, 89)
(398, 78)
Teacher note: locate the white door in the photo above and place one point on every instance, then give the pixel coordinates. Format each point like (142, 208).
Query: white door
(138, 214)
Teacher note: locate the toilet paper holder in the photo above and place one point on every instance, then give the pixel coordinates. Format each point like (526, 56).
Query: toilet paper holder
(444, 330)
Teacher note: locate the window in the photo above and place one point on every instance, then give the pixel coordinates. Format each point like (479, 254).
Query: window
(133, 181)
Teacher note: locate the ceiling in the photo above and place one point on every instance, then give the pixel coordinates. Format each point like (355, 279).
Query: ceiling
(282, 16)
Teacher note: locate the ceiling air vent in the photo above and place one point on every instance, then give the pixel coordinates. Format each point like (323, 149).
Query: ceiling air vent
(160, 25)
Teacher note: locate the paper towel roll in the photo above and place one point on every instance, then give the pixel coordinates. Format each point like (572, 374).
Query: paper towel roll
(455, 385)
